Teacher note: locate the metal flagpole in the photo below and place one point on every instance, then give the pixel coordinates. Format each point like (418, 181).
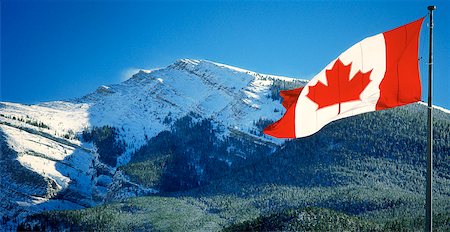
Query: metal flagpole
(429, 189)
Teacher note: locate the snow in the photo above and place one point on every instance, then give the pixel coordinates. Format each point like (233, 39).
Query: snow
(233, 98)
(442, 109)
(140, 104)
(253, 73)
(60, 116)
(44, 167)
(230, 96)
(436, 107)
(51, 159)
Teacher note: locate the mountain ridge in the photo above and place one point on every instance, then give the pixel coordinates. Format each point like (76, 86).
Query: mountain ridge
(47, 136)
(99, 148)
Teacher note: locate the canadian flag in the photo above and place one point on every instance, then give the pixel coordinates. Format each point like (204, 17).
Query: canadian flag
(377, 73)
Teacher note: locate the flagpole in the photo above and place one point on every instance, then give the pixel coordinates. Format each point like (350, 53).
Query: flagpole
(429, 189)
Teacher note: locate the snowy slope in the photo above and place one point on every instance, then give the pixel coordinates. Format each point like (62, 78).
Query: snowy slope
(45, 138)
(232, 97)
(49, 149)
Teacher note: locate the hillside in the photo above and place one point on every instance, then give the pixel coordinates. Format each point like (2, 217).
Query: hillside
(366, 172)
(181, 148)
(69, 151)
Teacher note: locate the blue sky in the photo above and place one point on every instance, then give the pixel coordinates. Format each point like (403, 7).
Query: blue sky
(52, 50)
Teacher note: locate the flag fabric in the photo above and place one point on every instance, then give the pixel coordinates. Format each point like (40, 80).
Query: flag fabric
(379, 72)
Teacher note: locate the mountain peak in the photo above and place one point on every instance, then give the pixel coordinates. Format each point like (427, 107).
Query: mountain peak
(189, 61)
(184, 64)
(196, 65)
(48, 139)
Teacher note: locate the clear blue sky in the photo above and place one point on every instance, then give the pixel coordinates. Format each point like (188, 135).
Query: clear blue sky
(54, 50)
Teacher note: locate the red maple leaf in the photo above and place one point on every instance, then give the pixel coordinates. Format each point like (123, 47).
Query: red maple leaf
(340, 88)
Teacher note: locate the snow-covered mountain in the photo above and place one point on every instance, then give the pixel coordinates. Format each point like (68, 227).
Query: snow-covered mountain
(49, 160)
(43, 142)
(230, 96)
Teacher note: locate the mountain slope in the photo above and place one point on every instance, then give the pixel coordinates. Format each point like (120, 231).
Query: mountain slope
(188, 137)
(367, 172)
(49, 140)
(230, 96)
